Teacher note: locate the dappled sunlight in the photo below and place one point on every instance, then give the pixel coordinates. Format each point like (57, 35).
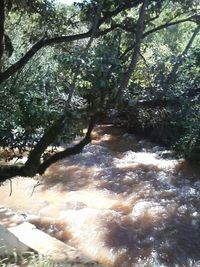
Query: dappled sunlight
(147, 158)
(109, 136)
(133, 207)
(93, 199)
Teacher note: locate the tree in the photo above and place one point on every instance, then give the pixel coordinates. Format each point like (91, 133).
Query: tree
(132, 22)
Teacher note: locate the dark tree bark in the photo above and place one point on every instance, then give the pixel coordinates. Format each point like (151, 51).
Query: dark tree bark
(35, 48)
(64, 39)
(122, 7)
(57, 40)
(70, 151)
(8, 172)
(33, 165)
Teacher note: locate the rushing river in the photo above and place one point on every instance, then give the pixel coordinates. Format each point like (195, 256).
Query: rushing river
(123, 201)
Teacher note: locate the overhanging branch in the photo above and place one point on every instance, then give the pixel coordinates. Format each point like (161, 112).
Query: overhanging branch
(124, 6)
(69, 151)
(35, 48)
(34, 165)
(160, 27)
(168, 24)
(60, 39)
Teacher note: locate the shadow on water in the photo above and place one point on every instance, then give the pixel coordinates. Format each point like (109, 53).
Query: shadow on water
(52, 227)
(96, 162)
(172, 241)
(67, 177)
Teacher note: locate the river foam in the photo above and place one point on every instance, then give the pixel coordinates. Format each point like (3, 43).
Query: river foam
(123, 201)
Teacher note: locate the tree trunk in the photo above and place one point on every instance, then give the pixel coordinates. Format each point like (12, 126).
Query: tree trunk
(171, 78)
(33, 164)
(69, 151)
(136, 52)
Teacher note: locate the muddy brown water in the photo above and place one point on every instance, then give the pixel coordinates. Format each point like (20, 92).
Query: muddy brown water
(123, 202)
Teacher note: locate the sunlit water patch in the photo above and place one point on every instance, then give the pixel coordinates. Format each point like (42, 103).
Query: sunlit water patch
(123, 202)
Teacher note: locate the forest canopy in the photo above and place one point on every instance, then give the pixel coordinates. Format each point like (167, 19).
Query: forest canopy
(62, 67)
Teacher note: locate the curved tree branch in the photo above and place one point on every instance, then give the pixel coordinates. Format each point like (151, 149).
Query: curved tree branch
(161, 27)
(45, 42)
(33, 162)
(60, 39)
(69, 151)
(34, 165)
(168, 24)
(124, 6)
(35, 48)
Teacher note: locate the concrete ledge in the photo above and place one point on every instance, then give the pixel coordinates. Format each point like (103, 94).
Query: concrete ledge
(10, 244)
(46, 245)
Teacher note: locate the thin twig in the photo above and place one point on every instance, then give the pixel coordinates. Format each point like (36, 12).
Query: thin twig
(10, 187)
(36, 185)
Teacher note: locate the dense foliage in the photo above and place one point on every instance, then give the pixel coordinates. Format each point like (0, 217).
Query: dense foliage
(62, 64)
